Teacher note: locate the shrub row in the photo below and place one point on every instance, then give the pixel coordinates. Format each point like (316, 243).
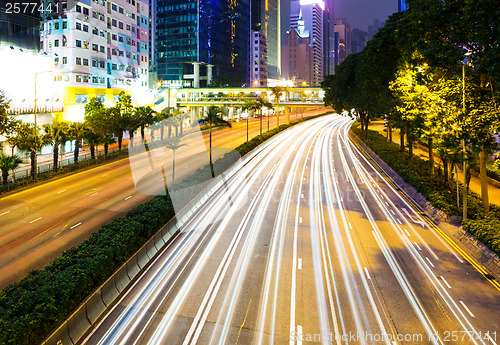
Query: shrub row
(33, 307)
(416, 172)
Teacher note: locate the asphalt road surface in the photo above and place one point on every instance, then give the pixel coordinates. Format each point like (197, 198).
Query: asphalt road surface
(40, 222)
(307, 244)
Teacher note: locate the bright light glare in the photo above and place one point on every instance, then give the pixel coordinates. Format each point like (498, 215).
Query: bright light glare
(321, 3)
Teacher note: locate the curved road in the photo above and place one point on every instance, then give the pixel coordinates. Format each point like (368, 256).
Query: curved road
(315, 247)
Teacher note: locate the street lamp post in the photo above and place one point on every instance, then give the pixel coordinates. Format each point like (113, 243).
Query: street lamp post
(464, 196)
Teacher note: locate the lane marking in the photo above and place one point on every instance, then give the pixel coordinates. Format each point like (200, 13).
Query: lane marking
(35, 220)
(429, 261)
(350, 226)
(93, 194)
(399, 221)
(407, 233)
(300, 220)
(467, 309)
(445, 282)
(417, 246)
(299, 335)
(160, 180)
(299, 263)
(367, 274)
(128, 197)
(387, 204)
(104, 175)
(61, 191)
(302, 196)
(3, 214)
(74, 226)
(342, 199)
(393, 212)
(244, 320)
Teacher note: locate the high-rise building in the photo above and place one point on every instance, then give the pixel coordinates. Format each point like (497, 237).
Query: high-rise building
(307, 15)
(402, 5)
(265, 18)
(99, 43)
(372, 29)
(358, 40)
(21, 30)
(328, 39)
(258, 59)
(214, 33)
(297, 62)
(344, 38)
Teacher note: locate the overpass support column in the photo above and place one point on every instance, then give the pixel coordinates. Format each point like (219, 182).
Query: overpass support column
(196, 73)
(287, 114)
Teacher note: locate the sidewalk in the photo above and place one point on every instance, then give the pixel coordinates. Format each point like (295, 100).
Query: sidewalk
(421, 151)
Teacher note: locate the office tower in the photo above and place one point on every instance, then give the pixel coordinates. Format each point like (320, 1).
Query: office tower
(372, 29)
(402, 5)
(307, 15)
(344, 44)
(328, 39)
(297, 62)
(21, 30)
(265, 16)
(258, 59)
(358, 40)
(197, 35)
(99, 43)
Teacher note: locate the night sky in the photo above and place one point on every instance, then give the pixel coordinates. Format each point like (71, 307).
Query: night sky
(360, 13)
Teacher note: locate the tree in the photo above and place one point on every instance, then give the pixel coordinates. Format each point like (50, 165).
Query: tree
(31, 140)
(146, 116)
(121, 117)
(4, 117)
(277, 92)
(93, 139)
(99, 125)
(56, 133)
(78, 131)
(213, 117)
(8, 163)
(174, 144)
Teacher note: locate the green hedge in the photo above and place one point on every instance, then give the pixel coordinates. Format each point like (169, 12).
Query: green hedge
(33, 307)
(486, 230)
(416, 172)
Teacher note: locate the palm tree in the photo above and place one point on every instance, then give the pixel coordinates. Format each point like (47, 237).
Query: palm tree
(78, 131)
(106, 140)
(30, 139)
(8, 163)
(146, 116)
(174, 144)
(277, 92)
(213, 118)
(251, 105)
(93, 139)
(56, 133)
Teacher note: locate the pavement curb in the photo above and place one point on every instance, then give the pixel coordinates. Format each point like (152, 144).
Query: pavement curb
(478, 250)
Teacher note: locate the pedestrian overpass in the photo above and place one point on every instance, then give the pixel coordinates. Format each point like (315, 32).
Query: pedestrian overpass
(195, 101)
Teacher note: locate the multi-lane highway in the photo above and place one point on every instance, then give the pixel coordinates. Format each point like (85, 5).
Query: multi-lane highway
(307, 244)
(40, 222)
